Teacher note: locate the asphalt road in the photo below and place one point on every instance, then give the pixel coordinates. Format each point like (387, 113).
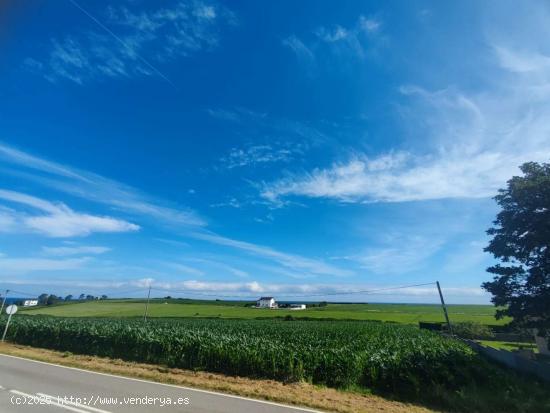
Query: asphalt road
(28, 386)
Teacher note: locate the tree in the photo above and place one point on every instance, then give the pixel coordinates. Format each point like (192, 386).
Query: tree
(52, 299)
(69, 297)
(521, 240)
(103, 297)
(43, 299)
(82, 296)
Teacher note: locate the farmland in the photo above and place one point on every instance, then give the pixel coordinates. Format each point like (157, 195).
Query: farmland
(400, 313)
(397, 360)
(339, 354)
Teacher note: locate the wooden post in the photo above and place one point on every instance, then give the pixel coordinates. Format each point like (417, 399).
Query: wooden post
(147, 304)
(444, 307)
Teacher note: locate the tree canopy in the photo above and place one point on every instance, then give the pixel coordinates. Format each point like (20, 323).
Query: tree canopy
(521, 241)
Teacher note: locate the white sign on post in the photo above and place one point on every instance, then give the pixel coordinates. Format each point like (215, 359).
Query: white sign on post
(10, 310)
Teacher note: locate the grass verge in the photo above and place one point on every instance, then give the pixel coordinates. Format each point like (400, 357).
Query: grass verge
(298, 394)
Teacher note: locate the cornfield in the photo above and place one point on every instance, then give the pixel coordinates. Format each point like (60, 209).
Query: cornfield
(380, 356)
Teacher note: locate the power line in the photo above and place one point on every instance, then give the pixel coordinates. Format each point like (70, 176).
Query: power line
(360, 291)
(335, 293)
(248, 295)
(24, 293)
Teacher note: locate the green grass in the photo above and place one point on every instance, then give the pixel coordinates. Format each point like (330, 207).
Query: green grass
(508, 345)
(400, 313)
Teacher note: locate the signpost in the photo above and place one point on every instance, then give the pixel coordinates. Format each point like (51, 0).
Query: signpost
(10, 310)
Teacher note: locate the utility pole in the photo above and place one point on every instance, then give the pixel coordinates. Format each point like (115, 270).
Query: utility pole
(147, 304)
(4, 301)
(444, 307)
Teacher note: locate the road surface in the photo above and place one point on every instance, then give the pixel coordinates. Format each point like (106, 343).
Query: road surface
(28, 386)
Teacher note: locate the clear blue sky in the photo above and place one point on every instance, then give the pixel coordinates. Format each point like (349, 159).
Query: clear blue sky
(253, 148)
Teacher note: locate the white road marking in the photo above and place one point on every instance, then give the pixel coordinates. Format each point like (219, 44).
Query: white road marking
(303, 409)
(84, 406)
(51, 403)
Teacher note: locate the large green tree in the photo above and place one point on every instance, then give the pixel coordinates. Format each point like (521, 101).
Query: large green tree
(521, 241)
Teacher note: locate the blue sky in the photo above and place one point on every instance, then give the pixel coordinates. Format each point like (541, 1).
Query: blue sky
(251, 148)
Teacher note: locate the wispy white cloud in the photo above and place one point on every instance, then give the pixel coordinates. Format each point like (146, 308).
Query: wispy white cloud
(370, 24)
(172, 242)
(124, 42)
(261, 154)
(231, 202)
(473, 143)
(268, 140)
(220, 265)
(296, 274)
(225, 115)
(357, 40)
(404, 255)
(421, 178)
(286, 130)
(97, 188)
(13, 155)
(523, 61)
(8, 219)
(467, 258)
(184, 269)
(17, 266)
(75, 250)
(234, 271)
(301, 51)
(59, 220)
(335, 34)
(295, 262)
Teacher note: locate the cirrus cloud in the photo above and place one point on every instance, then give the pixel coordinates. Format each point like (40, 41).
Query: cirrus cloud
(472, 143)
(58, 220)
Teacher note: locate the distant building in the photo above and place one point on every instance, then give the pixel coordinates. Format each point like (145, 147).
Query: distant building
(266, 302)
(297, 306)
(30, 303)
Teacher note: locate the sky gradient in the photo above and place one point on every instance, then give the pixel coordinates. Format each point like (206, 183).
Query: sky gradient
(252, 148)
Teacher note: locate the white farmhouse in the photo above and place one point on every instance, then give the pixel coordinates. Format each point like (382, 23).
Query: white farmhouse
(266, 302)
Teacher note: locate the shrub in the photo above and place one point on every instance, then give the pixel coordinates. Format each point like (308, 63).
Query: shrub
(473, 330)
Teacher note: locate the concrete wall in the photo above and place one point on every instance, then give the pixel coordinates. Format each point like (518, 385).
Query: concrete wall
(542, 344)
(513, 360)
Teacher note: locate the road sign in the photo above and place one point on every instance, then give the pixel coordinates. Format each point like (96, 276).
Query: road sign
(11, 309)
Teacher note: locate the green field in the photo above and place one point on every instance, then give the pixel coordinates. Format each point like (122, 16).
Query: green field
(335, 353)
(395, 360)
(400, 313)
